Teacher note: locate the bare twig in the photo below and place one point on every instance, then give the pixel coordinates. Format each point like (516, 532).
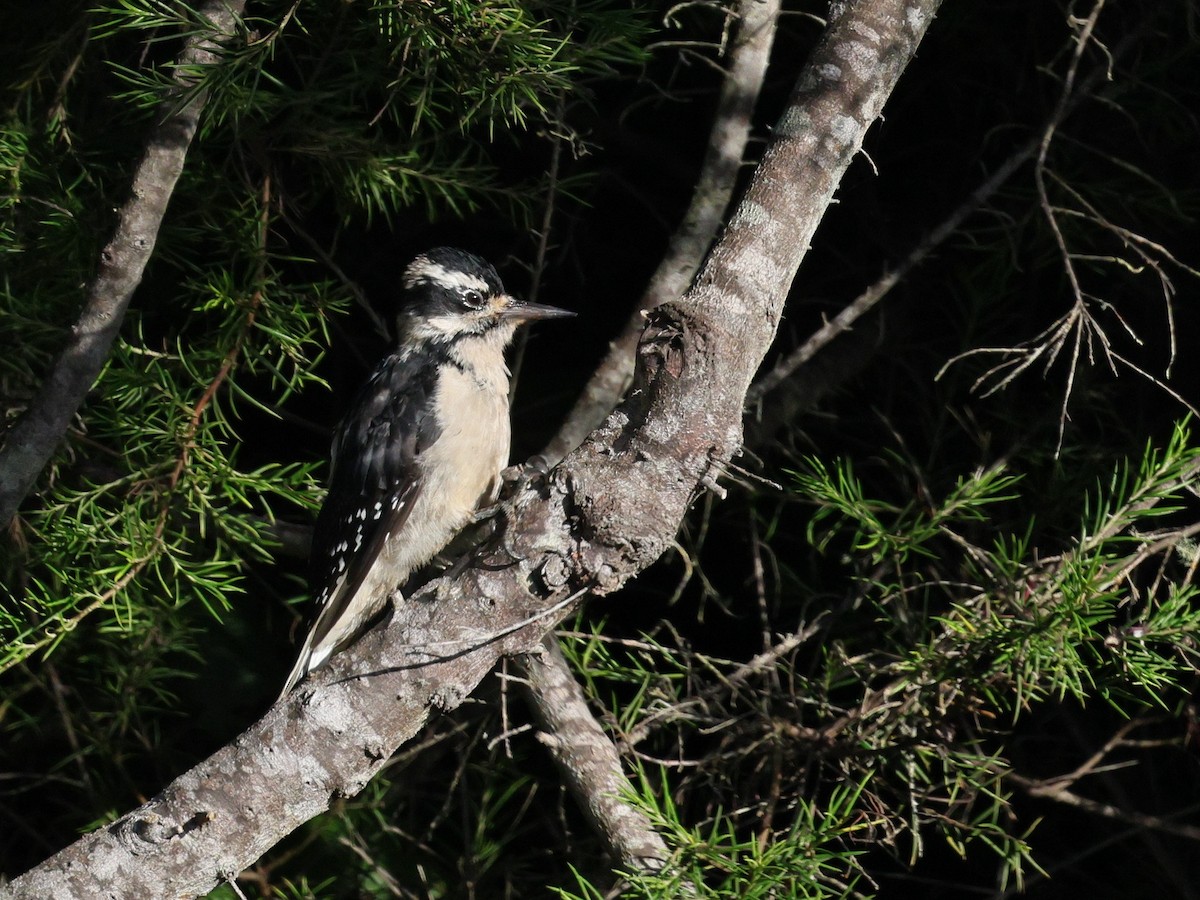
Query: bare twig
(1039, 173)
(1108, 811)
(33, 439)
(729, 684)
(538, 269)
(378, 323)
(1079, 332)
(868, 299)
(1044, 787)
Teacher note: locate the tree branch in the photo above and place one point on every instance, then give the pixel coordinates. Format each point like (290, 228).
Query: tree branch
(608, 511)
(580, 747)
(714, 189)
(589, 761)
(31, 442)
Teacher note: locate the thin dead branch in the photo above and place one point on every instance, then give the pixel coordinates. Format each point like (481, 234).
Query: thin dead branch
(1079, 335)
(850, 314)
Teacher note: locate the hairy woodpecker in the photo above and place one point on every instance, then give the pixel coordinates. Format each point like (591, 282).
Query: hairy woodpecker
(421, 447)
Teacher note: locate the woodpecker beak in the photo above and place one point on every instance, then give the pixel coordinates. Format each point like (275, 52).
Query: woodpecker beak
(526, 312)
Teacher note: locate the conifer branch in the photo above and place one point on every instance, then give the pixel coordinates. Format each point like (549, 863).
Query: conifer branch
(31, 442)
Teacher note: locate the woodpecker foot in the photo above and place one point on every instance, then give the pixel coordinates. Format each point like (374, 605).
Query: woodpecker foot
(487, 513)
(536, 467)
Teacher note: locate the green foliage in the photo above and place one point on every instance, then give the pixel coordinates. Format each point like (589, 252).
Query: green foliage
(894, 731)
(164, 515)
(374, 105)
(1060, 627)
(715, 859)
(885, 531)
(1097, 620)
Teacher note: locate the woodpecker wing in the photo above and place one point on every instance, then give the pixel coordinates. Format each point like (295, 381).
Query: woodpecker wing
(373, 487)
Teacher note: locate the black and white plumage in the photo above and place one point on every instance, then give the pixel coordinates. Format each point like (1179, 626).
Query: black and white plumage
(421, 447)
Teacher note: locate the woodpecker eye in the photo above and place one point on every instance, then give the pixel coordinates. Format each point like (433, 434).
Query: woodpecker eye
(472, 298)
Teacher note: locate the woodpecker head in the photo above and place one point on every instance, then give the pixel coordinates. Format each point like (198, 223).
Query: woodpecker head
(454, 295)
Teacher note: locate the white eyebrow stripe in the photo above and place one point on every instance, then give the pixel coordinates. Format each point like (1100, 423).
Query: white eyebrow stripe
(423, 269)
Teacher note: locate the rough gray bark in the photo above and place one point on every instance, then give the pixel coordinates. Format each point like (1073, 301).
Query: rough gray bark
(589, 761)
(608, 511)
(31, 442)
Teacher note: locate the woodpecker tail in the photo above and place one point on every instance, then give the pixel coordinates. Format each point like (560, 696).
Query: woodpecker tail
(332, 630)
(304, 665)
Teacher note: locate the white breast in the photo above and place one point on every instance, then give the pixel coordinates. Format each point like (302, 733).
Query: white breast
(459, 470)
